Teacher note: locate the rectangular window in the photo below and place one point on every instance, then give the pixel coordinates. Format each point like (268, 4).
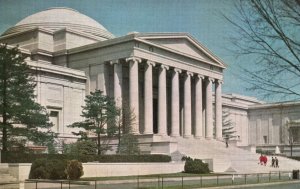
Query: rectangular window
(265, 139)
(54, 118)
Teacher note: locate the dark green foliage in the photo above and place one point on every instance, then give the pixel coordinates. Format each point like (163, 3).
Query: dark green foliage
(295, 158)
(99, 111)
(83, 147)
(17, 105)
(128, 142)
(38, 169)
(129, 145)
(74, 170)
(265, 152)
(12, 157)
(195, 166)
(48, 169)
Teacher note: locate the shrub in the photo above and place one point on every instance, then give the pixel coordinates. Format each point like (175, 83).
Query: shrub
(74, 169)
(48, 169)
(38, 169)
(195, 166)
(85, 147)
(129, 145)
(13, 157)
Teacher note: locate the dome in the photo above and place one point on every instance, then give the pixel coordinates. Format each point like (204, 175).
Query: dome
(58, 18)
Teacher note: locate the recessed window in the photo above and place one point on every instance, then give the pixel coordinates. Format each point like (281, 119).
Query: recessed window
(265, 139)
(54, 118)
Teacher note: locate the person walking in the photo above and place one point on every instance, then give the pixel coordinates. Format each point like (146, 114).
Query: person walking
(261, 159)
(265, 160)
(276, 162)
(273, 162)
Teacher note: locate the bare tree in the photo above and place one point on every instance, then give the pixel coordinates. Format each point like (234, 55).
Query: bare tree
(268, 36)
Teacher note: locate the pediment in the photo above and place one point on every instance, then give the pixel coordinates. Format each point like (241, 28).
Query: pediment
(184, 44)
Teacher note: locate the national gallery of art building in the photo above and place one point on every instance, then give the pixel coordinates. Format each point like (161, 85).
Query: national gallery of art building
(170, 80)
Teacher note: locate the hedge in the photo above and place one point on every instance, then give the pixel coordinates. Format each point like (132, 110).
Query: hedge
(195, 166)
(14, 157)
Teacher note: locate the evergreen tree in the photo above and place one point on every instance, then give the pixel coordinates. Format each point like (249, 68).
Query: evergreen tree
(99, 111)
(22, 118)
(227, 126)
(128, 142)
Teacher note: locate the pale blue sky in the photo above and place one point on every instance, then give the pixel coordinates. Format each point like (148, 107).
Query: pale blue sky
(200, 18)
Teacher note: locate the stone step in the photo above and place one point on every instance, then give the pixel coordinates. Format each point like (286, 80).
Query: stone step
(6, 177)
(4, 170)
(10, 186)
(231, 158)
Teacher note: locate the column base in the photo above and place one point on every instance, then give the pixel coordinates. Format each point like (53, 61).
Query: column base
(220, 139)
(148, 133)
(175, 136)
(199, 137)
(162, 134)
(187, 136)
(209, 138)
(136, 133)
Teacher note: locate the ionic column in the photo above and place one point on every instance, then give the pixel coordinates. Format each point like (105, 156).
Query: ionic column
(208, 115)
(117, 82)
(134, 91)
(218, 109)
(175, 122)
(187, 106)
(162, 100)
(148, 94)
(198, 106)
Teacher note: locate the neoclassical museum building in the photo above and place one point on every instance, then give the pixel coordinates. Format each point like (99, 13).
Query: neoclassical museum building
(170, 80)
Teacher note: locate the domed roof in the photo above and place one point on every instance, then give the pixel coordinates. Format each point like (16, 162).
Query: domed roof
(58, 18)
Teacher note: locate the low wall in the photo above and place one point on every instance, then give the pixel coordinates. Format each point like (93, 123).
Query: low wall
(125, 169)
(21, 170)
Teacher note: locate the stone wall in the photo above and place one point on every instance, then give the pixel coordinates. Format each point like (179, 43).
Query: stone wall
(21, 170)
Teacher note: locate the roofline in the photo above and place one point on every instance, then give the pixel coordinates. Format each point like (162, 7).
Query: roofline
(135, 36)
(242, 97)
(275, 105)
(25, 31)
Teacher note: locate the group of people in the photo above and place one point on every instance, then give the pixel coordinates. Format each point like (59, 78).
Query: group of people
(275, 162)
(263, 161)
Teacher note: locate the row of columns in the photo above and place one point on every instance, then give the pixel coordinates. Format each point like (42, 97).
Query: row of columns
(175, 105)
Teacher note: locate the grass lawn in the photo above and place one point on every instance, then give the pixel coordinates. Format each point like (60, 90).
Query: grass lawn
(169, 175)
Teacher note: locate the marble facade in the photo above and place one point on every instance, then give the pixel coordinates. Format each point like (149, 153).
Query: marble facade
(170, 80)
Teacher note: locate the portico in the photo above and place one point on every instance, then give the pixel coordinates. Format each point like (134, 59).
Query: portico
(169, 98)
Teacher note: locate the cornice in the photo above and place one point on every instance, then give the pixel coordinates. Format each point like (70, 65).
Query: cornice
(186, 36)
(47, 67)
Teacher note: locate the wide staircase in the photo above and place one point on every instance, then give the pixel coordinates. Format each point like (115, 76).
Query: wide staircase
(6, 180)
(231, 159)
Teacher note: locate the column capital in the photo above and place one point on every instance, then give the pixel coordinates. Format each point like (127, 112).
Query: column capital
(210, 79)
(189, 73)
(200, 76)
(219, 81)
(134, 59)
(150, 63)
(177, 70)
(116, 61)
(162, 66)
